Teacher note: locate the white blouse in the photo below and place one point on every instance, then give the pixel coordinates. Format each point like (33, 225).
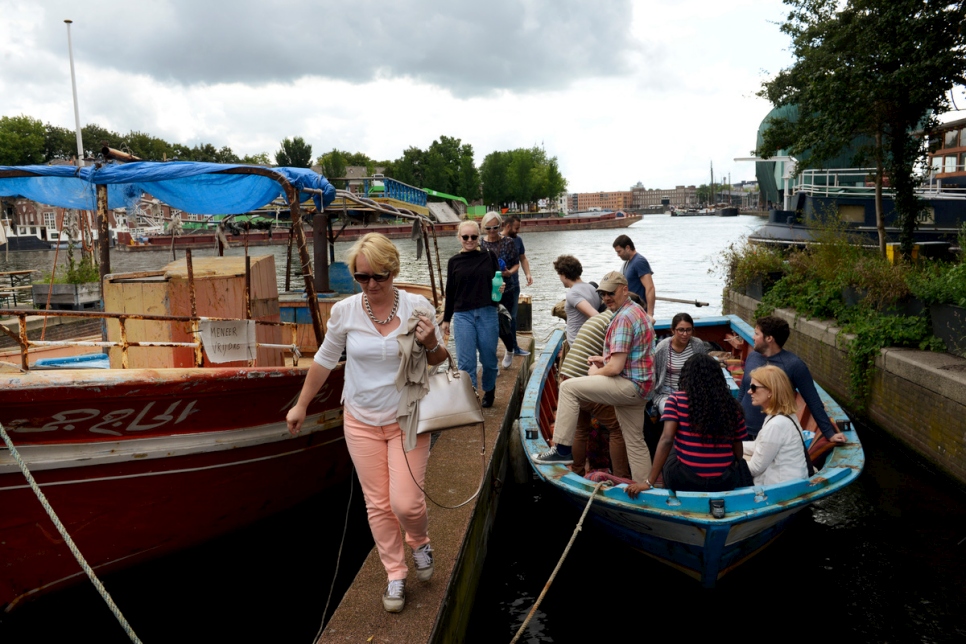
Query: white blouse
(372, 360)
(777, 454)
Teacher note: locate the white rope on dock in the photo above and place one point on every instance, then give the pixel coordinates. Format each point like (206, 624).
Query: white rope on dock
(553, 575)
(70, 542)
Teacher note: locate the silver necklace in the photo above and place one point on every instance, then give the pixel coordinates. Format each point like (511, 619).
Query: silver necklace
(392, 313)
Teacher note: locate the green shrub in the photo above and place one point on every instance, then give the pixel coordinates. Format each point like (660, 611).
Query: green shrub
(82, 272)
(741, 263)
(940, 283)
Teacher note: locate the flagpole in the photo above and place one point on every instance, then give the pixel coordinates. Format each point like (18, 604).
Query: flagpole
(73, 85)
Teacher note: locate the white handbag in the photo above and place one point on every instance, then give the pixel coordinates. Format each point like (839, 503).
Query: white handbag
(451, 402)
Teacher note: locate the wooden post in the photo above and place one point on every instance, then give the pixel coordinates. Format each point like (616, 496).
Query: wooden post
(311, 295)
(429, 262)
(288, 260)
(320, 246)
(103, 234)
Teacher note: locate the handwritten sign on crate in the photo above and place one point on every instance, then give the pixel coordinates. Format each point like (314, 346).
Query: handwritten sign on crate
(228, 341)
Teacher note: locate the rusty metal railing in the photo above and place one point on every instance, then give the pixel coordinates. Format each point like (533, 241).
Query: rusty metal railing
(123, 343)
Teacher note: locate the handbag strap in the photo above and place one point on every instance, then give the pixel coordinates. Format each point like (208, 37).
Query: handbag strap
(808, 459)
(482, 475)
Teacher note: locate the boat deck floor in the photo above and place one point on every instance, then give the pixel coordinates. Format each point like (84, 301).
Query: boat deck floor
(453, 475)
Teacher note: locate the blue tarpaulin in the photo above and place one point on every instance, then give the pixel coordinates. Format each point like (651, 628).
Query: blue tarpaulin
(199, 188)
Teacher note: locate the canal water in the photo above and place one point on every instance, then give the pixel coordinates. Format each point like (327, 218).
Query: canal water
(880, 562)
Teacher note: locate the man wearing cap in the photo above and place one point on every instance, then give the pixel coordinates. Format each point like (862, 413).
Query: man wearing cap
(622, 377)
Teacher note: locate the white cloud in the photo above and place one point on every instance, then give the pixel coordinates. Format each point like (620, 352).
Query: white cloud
(617, 91)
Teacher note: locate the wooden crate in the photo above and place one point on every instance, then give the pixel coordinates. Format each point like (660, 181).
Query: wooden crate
(219, 292)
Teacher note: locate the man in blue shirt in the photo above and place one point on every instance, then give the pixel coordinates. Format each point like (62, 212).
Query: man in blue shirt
(771, 333)
(511, 295)
(638, 272)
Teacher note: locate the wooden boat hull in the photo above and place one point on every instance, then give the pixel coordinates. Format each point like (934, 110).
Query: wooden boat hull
(139, 462)
(392, 231)
(678, 528)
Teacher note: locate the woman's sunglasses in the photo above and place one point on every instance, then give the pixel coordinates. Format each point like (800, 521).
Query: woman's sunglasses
(753, 388)
(469, 237)
(491, 228)
(363, 278)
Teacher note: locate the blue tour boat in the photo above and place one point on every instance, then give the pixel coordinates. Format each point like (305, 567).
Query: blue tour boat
(679, 528)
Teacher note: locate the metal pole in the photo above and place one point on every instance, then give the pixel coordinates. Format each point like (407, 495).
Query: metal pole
(73, 85)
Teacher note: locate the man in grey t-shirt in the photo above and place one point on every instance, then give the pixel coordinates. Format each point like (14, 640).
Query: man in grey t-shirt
(582, 301)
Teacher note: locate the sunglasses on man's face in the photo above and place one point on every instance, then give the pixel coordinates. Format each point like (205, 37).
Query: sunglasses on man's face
(363, 278)
(469, 237)
(605, 293)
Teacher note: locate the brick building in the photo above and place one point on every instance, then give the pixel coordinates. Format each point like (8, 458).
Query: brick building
(653, 197)
(583, 201)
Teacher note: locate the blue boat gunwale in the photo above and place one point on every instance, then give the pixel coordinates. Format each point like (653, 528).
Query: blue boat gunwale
(843, 466)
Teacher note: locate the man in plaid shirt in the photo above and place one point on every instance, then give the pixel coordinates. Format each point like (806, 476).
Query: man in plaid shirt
(622, 377)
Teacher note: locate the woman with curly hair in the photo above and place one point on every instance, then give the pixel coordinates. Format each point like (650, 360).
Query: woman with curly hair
(705, 427)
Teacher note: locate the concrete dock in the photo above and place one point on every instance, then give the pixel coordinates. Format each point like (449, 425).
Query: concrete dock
(439, 610)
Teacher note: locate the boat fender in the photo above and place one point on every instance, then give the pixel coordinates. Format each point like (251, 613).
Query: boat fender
(717, 507)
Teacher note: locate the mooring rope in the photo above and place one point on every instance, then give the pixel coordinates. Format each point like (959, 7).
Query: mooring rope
(70, 542)
(335, 574)
(553, 575)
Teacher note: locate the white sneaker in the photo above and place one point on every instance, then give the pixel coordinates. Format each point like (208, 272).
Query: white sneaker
(394, 598)
(423, 556)
(508, 360)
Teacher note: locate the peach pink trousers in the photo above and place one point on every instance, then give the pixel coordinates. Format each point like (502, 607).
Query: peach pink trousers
(393, 499)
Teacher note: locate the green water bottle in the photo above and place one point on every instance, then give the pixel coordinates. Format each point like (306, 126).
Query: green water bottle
(497, 283)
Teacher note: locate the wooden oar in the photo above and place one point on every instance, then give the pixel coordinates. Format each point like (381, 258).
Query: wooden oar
(674, 299)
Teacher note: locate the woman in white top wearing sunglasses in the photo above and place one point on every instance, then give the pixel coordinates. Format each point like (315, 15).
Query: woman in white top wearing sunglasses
(778, 452)
(367, 327)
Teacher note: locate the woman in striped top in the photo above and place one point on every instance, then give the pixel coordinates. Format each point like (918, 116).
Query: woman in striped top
(705, 427)
(670, 354)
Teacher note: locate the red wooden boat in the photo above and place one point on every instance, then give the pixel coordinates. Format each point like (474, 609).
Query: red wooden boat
(139, 462)
(158, 453)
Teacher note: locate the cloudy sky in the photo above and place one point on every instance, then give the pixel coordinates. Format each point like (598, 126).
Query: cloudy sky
(619, 91)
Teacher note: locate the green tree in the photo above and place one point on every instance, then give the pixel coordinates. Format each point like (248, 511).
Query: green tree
(294, 153)
(493, 176)
(22, 141)
(869, 68)
(468, 181)
(333, 166)
(441, 165)
(358, 158)
(256, 159)
(408, 168)
(146, 147)
(225, 155)
(95, 137)
(59, 143)
(556, 184)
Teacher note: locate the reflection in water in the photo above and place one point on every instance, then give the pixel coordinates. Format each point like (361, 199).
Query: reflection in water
(881, 561)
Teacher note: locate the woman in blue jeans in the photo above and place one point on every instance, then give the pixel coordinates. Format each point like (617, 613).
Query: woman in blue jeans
(470, 307)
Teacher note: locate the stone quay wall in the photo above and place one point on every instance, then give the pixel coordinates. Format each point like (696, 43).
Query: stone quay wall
(917, 397)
